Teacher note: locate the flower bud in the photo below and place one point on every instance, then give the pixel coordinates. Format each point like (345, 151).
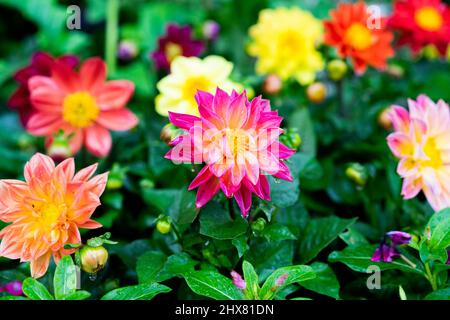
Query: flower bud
(211, 30)
(93, 259)
(272, 84)
(25, 141)
(258, 225)
(357, 173)
(169, 132)
(384, 120)
(282, 279)
(59, 148)
(316, 92)
(337, 69)
(395, 71)
(116, 177)
(14, 288)
(430, 52)
(237, 280)
(164, 225)
(127, 50)
(291, 138)
(399, 237)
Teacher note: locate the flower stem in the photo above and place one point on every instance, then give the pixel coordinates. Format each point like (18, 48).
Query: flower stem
(231, 208)
(112, 18)
(430, 277)
(413, 265)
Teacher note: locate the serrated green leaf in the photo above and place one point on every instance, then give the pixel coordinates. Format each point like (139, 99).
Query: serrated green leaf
(215, 222)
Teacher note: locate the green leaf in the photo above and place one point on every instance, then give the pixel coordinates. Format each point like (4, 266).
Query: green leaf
(294, 274)
(78, 295)
(358, 258)
(65, 279)
(251, 280)
(352, 237)
(35, 290)
(215, 222)
(441, 294)
(284, 193)
(212, 284)
(139, 292)
(278, 232)
(319, 233)
(149, 265)
(178, 204)
(301, 120)
(325, 283)
(436, 247)
(180, 263)
(241, 245)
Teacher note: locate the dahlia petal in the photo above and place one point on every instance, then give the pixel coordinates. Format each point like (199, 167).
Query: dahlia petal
(202, 177)
(400, 144)
(98, 140)
(411, 187)
(118, 120)
(65, 77)
(237, 112)
(283, 173)
(114, 94)
(39, 266)
(244, 200)
(86, 173)
(40, 166)
(400, 118)
(90, 224)
(183, 121)
(44, 124)
(206, 191)
(45, 94)
(204, 99)
(92, 73)
(68, 167)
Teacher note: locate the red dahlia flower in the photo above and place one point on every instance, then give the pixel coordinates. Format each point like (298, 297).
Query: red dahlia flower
(421, 23)
(350, 30)
(176, 42)
(41, 64)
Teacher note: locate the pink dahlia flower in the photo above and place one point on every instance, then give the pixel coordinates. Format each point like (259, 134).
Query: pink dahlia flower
(83, 105)
(422, 143)
(238, 142)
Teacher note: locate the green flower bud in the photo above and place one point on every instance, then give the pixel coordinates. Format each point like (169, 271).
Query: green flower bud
(258, 225)
(116, 177)
(291, 138)
(170, 132)
(163, 225)
(337, 69)
(93, 259)
(357, 173)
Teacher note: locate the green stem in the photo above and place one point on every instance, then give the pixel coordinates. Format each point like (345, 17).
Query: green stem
(430, 277)
(112, 19)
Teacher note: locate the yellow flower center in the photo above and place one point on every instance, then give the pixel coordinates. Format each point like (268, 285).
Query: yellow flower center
(359, 36)
(238, 141)
(172, 50)
(429, 19)
(80, 109)
(433, 153)
(290, 42)
(193, 84)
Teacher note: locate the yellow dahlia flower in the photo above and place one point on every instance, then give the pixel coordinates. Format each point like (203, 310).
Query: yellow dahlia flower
(284, 41)
(189, 74)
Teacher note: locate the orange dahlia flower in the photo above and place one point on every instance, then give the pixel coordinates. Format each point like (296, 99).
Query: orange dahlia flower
(421, 23)
(356, 35)
(81, 104)
(46, 210)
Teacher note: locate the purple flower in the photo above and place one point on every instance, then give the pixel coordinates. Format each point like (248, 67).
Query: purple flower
(127, 50)
(398, 237)
(282, 279)
(385, 253)
(176, 42)
(237, 280)
(211, 30)
(13, 288)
